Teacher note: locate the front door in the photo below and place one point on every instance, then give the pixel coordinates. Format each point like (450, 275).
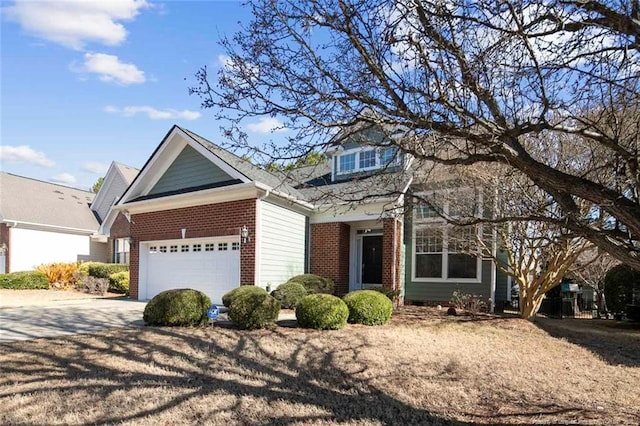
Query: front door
(372, 259)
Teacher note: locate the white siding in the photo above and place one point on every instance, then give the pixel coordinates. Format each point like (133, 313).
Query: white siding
(114, 190)
(281, 244)
(30, 248)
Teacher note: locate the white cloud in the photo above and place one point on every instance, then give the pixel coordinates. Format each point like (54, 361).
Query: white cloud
(153, 113)
(110, 69)
(24, 154)
(73, 23)
(267, 125)
(64, 178)
(95, 167)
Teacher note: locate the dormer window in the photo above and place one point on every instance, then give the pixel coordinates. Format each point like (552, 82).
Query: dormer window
(360, 160)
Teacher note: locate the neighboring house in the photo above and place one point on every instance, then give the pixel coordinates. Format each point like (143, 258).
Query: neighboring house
(113, 223)
(204, 218)
(42, 222)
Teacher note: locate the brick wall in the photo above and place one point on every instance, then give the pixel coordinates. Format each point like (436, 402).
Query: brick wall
(392, 233)
(329, 255)
(212, 220)
(121, 228)
(5, 238)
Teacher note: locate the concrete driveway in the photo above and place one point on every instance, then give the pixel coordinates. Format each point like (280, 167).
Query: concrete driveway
(65, 317)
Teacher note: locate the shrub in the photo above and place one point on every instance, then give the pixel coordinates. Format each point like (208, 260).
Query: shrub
(94, 285)
(392, 294)
(177, 307)
(618, 287)
(368, 307)
(59, 275)
(102, 270)
(26, 280)
(314, 284)
(322, 312)
(119, 282)
(229, 297)
(470, 303)
(289, 294)
(253, 310)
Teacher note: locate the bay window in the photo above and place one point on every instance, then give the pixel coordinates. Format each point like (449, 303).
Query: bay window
(366, 159)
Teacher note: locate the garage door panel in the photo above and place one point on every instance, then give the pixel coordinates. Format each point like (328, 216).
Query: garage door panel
(212, 267)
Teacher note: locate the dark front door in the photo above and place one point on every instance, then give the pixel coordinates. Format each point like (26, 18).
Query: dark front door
(372, 259)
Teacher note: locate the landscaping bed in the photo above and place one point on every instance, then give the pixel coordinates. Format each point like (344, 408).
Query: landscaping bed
(421, 368)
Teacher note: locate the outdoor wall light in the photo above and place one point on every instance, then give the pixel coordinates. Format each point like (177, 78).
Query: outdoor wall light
(244, 234)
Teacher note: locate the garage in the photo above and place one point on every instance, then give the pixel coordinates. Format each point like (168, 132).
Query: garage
(211, 265)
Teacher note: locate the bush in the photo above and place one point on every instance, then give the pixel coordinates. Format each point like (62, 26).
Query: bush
(253, 310)
(177, 307)
(368, 307)
(322, 312)
(101, 270)
(314, 284)
(470, 303)
(229, 297)
(93, 285)
(289, 294)
(60, 275)
(26, 280)
(618, 287)
(392, 294)
(119, 282)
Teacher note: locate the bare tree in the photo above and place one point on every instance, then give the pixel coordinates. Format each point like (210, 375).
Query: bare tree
(470, 82)
(590, 269)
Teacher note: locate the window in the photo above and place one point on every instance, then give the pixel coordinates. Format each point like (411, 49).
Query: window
(428, 253)
(184, 248)
(387, 156)
(461, 242)
(347, 163)
(425, 212)
(442, 253)
(121, 250)
(222, 246)
(209, 247)
(367, 159)
(153, 249)
(197, 247)
(235, 246)
(163, 249)
(173, 249)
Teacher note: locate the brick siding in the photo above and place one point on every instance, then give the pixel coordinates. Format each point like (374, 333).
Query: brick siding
(212, 220)
(330, 253)
(392, 233)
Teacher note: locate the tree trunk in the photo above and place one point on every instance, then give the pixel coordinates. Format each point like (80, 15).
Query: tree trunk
(529, 305)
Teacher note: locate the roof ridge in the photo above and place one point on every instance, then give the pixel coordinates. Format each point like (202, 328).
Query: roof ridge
(48, 182)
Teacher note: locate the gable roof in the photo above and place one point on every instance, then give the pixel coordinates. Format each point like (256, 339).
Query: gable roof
(128, 173)
(33, 201)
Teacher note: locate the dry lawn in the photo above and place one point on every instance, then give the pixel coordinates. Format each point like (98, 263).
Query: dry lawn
(420, 369)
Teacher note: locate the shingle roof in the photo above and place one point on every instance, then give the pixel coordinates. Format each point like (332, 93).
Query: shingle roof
(129, 173)
(245, 167)
(29, 200)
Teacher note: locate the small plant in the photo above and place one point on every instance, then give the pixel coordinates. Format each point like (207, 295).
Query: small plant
(230, 296)
(93, 285)
(368, 307)
(314, 284)
(59, 275)
(289, 294)
(322, 312)
(254, 310)
(25, 280)
(101, 270)
(470, 303)
(177, 307)
(119, 282)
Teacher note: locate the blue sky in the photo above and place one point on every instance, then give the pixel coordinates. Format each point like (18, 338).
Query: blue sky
(84, 83)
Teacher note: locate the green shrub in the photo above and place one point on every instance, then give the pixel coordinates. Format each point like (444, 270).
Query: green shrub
(392, 294)
(368, 307)
(26, 280)
(314, 284)
(253, 310)
(618, 287)
(177, 307)
(289, 294)
(322, 312)
(229, 297)
(101, 270)
(119, 282)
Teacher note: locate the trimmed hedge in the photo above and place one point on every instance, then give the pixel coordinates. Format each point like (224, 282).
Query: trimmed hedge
(229, 297)
(368, 307)
(322, 312)
(119, 282)
(101, 270)
(177, 307)
(25, 280)
(254, 310)
(314, 284)
(289, 294)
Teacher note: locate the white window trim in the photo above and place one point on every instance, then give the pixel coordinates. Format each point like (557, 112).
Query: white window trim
(378, 163)
(439, 222)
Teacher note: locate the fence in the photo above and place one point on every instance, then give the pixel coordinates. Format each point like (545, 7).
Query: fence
(560, 307)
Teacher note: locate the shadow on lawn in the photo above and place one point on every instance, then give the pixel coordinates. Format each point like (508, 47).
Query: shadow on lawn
(616, 342)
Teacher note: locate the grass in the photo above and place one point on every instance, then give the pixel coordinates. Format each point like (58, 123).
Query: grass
(419, 369)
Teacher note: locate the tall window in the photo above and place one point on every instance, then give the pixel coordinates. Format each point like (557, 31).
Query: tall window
(121, 250)
(347, 163)
(367, 159)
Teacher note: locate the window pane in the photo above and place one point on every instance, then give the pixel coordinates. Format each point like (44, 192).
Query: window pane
(387, 156)
(347, 162)
(367, 159)
(428, 266)
(462, 266)
(463, 240)
(429, 240)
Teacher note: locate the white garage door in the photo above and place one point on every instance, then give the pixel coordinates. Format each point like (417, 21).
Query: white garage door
(209, 265)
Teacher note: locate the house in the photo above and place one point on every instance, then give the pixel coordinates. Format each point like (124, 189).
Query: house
(42, 222)
(204, 218)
